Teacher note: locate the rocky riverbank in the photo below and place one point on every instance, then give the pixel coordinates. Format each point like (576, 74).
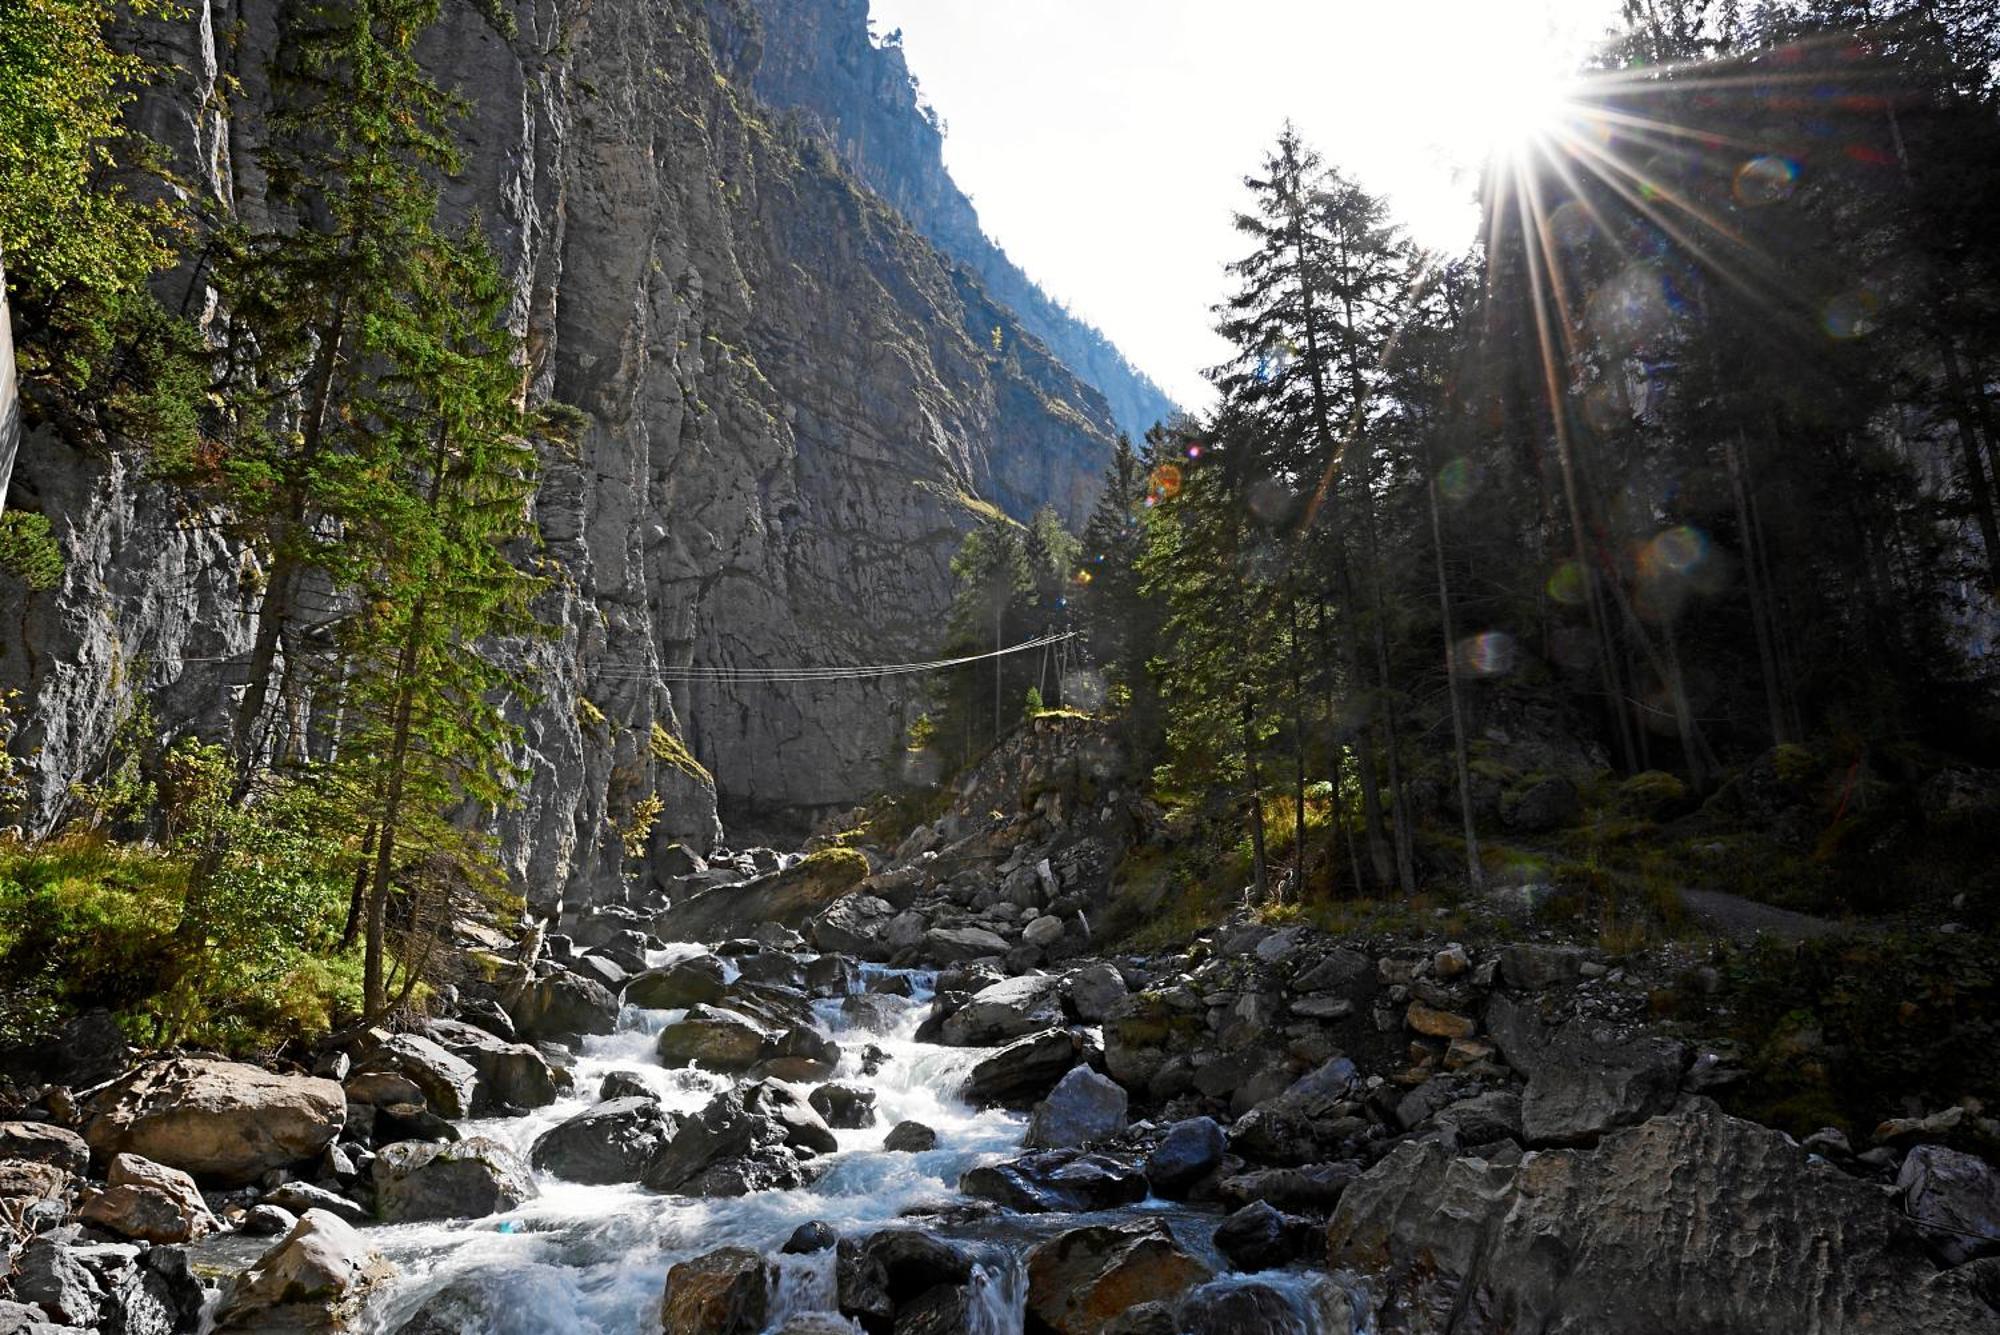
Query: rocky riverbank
(907, 1090)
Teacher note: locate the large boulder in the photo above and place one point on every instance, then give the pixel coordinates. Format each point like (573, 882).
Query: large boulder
(511, 1075)
(957, 945)
(449, 1084)
(1583, 1081)
(1082, 1109)
(1262, 1237)
(150, 1202)
(856, 924)
(564, 1006)
(713, 1038)
(1095, 990)
(612, 1142)
(805, 1130)
(1023, 1071)
(1082, 1280)
(468, 1179)
(726, 1292)
(1010, 1009)
(726, 1149)
(1189, 1152)
(38, 1142)
(691, 981)
(1956, 1197)
(844, 1107)
(313, 1279)
(1056, 1181)
(222, 1121)
(904, 1280)
(1692, 1222)
(786, 897)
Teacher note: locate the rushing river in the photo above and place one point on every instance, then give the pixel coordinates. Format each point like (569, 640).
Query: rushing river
(593, 1260)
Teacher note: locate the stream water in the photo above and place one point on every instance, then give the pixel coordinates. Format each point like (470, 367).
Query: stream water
(593, 1260)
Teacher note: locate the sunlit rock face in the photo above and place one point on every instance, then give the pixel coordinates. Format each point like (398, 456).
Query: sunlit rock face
(818, 59)
(794, 404)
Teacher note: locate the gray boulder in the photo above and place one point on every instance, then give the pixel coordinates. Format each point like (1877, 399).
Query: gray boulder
(464, 1180)
(564, 1006)
(844, 1107)
(1189, 1152)
(1023, 1071)
(693, 981)
(312, 1279)
(909, 1138)
(1582, 1081)
(1691, 1222)
(511, 1074)
(449, 1084)
(1956, 1197)
(957, 945)
(1094, 991)
(1007, 1010)
(713, 1038)
(1082, 1109)
(1062, 1181)
(612, 1142)
(221, 1121)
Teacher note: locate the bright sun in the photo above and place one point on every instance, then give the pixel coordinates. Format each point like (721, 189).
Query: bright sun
(1503, 85)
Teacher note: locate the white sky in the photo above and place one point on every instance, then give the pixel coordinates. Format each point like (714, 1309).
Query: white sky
(1105, 141)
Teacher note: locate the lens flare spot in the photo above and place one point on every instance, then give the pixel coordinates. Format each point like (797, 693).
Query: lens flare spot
(1766, 180)
(1678, 551)
(1274, 361)
(1851, 314)
(1084, 688)
(1460, 479)
(1489, 654)
(1194, 450)
(1166, 483)
(1571, 225)
(1570, 585)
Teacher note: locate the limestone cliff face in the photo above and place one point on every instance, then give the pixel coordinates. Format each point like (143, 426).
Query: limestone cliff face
(819, 60)
(796, 408)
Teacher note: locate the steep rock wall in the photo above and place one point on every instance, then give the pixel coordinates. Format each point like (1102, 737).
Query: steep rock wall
(818, 58)
(795, 411)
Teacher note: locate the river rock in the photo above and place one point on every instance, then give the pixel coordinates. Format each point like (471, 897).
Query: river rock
(804, 1129)
(1189, 1152)
(1236, 1306)
(1094, 991)
(49, 1274)
(1023, 1071)
(1582, 1083)
(609, 1143)
(564, 1006)
(856, 925)
(39, 1142)
(1079, 1281)
(511, 1075)
(798, 1054)
(223, 1121)
(714, 1039)
(909, 1138)
(296, 1198)
(788, 897)
(844, 1107)
(264, 1220)
(1956, 1197)
(727, 1292)
(1313, 1189)
(1483, 1118)
(693, 981)
(1531, 968)
(813, 1236)
(1043, 931)
(1082, 1109)
(450, 1084)
(150, 1202)
(957, 945)
(1005, 1011)
(1696, 1221)
(1067, 1181)
(725, 1150)
(1261, 1237)
(467, 1180)
(624, 1085)
(314, 1279)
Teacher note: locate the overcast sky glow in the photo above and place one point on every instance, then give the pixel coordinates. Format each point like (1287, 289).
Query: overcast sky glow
(1105, 141)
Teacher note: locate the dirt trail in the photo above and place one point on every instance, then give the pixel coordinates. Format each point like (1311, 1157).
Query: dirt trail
(1733, 915)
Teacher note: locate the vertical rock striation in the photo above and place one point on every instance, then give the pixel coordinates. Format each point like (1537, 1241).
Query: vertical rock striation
(795, 406)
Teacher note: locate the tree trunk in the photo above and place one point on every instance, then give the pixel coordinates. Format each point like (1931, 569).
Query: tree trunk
(1298, 759)
(376, 1000)
(1259, 878)
(1473, 871)
(1760, 611)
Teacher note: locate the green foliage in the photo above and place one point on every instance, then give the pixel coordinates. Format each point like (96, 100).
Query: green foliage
(1848, 1031)
(66, 226)
(29, 551)
(672, 752)
(1033, 707)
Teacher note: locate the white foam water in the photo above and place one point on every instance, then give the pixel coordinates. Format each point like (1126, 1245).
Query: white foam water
(593, 1260)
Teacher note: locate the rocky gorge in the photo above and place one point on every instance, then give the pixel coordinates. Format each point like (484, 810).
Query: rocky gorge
(794, 407)
(902, 1089)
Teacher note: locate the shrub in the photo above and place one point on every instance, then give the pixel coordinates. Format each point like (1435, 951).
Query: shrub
(671, 751)
(29, 551)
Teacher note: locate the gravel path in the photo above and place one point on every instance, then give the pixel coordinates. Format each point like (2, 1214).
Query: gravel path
(1733, 915)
